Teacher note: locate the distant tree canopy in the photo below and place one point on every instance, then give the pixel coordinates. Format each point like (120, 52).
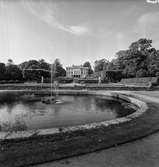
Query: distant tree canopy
(139, 60)
(34, 64)
(10, 72)
(2, 71)
(100, 65)
(88, 64)
(13, 72)
(58, 70)
(33, 69)
(111, 76)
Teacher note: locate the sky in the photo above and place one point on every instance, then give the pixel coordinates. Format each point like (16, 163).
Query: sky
(74, 31)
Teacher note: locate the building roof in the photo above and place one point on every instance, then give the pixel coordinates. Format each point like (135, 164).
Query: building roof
(77, 66)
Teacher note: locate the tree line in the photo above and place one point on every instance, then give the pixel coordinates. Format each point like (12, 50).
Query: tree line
(34, 70)
(141, 59)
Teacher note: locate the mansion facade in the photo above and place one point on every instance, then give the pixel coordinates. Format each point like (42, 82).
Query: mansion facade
(77, 71)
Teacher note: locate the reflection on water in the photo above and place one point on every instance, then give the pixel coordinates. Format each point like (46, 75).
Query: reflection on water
(21, 112)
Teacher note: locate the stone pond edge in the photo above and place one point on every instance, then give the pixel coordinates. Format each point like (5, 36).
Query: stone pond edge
(140, 106)
(24, 148)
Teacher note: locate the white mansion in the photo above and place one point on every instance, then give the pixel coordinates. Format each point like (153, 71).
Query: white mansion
(77, 71)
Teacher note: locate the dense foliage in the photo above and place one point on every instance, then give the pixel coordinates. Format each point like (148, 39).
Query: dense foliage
(58, 70)
(88, 64)
(111, 76)
(139, 60)
(100, 65)
(10, 71)
(2, 71)
(31, 70)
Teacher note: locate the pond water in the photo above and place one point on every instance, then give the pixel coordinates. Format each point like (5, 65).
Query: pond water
(22, 112)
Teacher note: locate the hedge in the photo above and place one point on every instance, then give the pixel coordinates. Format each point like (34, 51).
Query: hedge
(10, 81)
(141, 81)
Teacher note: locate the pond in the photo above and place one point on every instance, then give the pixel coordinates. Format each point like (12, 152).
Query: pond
(19, 111)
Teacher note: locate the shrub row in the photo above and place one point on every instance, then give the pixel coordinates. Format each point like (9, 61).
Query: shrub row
(86, 80)
(144, 80)
(59, 79)
(10, 81)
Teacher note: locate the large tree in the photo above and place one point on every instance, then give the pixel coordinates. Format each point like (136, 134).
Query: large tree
(33, 70)
(100, 65)
(2, 71)
(153, 62)
(44, 65)
(13, 72)
(31, 64)
(88, 64)
(135, 61)
(58, 70)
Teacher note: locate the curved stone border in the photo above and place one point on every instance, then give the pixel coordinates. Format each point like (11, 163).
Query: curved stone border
(37, 146)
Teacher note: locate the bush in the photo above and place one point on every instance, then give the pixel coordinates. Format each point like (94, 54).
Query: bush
(111, 76)
(64, 80)
(141, 73)
(10, 81)
(141, 81)
(87, 81)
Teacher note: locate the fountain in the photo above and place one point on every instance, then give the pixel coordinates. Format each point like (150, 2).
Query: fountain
(52, 99)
